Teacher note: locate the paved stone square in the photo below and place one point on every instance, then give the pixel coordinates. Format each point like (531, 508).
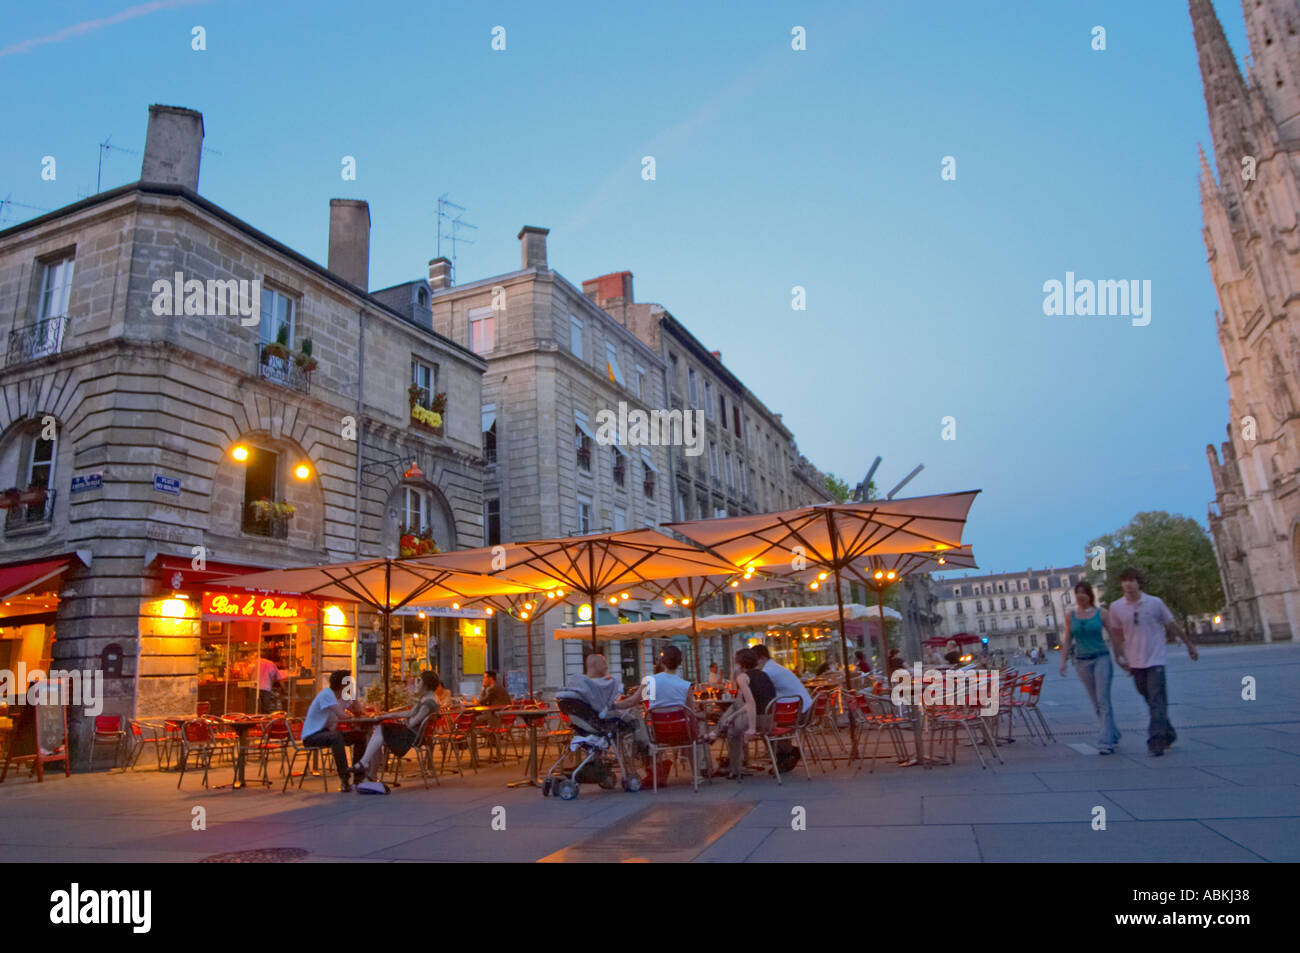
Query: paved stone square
(1229, 790)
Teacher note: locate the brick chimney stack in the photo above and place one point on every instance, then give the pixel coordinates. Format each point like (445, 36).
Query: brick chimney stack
(349, 254)
(173, 146)
(532, 247)
(611, 293)
(439, 274)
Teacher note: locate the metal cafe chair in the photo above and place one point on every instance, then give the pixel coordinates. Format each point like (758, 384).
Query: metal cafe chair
(196, 741)
(275, 738)
(144, 734)
(674, 728)
(312, 758)
(783, 718)
(108, 730)
(877, 713)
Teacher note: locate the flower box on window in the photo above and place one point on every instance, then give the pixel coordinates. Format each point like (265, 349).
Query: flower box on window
(412, 544)
(427, 412)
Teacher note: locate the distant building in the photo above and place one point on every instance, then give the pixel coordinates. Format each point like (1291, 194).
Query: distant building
(1016, 611)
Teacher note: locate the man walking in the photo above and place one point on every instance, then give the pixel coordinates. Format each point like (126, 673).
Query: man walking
(1138, 623)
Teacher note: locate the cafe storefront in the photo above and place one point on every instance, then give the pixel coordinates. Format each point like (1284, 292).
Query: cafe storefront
(29, 605)
(203, 646)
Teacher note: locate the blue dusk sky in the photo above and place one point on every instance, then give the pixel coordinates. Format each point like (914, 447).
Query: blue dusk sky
(775, 168)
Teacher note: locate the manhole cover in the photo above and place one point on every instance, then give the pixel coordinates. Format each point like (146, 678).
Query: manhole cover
(265, 855)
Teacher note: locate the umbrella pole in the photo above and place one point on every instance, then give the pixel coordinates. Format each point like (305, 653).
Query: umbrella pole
(388, 627)
(528, 638)
(884, 641)
(695, 638)
(844, 651)
(592, 597)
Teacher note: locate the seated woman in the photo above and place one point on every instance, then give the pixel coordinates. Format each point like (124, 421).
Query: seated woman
(398, 737)
(741, 720)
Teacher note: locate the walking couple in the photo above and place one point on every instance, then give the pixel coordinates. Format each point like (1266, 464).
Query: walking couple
(1137, 624)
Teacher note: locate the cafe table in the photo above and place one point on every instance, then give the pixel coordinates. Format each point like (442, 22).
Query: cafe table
(531, 717)
(242, 726)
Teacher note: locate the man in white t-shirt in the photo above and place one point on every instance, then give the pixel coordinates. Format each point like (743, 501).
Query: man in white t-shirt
(784, 681)
(1138, 624)
(320, 724)
(662, 690)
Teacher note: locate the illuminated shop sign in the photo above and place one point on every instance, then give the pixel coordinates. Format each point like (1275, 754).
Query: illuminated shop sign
(249, 605)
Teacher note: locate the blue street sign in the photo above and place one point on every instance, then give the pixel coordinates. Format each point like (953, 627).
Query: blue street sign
(87, 481)
(166, 484)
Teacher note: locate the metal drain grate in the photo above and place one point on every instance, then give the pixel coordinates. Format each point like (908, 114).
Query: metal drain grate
(264, 855)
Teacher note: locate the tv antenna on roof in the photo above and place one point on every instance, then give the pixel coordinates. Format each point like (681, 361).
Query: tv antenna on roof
(453, 215)
(8, 201)
(107, 146)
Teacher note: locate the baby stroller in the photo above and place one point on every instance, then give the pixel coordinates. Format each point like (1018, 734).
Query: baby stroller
(595, 754)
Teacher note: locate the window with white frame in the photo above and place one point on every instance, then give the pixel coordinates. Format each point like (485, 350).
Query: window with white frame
(640, 382)
(277, 313)
(584, 515)
(415, 510)
(489, 433)
(708, 398)
(584, 439)
(482, 329)
(40, 461)
(620, 518)
(423, 377)
(575, 335)
(713, 459)
(56, 288)
(611, 364)
(693, 388)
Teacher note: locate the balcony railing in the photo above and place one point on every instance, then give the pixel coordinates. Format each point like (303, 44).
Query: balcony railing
(280, 367)
(30, 515)
(35, 340)
(274, 527)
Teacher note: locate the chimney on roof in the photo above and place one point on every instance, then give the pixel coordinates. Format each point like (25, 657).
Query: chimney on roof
(532, 246)
(172, 147)
(611, 293)
(349, 254)
(717, 356)
(439, 274)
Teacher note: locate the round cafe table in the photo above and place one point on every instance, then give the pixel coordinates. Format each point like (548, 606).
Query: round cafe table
(242, 726)
(531, 717)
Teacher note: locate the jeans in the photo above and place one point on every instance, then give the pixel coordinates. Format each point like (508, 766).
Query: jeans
(1150, 684)
(1095, 673)
(334, 741)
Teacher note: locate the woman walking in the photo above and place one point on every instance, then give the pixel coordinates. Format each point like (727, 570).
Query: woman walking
(1085, 640)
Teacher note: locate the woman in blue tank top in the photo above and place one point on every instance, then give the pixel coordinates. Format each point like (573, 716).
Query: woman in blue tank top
(1085, 640)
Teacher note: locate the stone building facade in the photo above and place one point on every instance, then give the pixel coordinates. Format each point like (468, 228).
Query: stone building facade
(165, 435)
(1252, 213)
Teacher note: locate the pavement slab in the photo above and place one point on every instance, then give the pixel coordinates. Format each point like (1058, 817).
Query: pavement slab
(1229, 790)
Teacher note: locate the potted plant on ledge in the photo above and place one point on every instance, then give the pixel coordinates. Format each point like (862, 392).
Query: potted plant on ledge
(306, 363)
(279, 348)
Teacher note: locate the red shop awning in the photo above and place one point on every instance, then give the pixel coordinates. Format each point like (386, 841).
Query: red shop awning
(15, 580)
(179, 573)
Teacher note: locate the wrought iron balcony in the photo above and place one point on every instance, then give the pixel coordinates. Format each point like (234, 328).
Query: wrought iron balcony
(279, 366)
(35, 341)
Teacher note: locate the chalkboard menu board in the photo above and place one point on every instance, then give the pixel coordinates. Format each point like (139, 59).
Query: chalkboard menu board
(40, 733)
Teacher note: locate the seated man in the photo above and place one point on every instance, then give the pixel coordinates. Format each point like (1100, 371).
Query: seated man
(493, 692)
(399, 737)
(661, 690)
(320, 724)
(600, 691)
